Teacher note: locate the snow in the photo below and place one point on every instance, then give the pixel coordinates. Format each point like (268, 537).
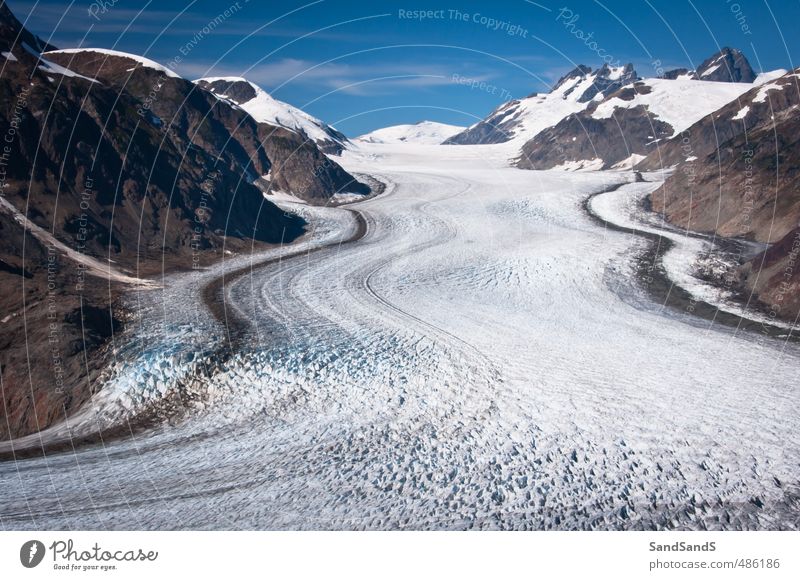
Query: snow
(93, 266)
(9, 56)
(742, 113)
(765, 77)
(422, 133)
(52, 67)
(534, 114)
(146, 62)
(537, 113)
(283, 197)
(266, 109)
(342, 198)
(483, 358)
(615, 72)
(583, 165)
(710, 70)
(629, 162)
(761, 95)
(681, 103)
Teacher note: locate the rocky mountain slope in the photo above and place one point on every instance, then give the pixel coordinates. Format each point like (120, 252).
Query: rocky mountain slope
(626, 125)
(265, 109)
(114, 168)
(610, 117)
(521, 120)
(279, 159)
(736, 175)
(729, 65)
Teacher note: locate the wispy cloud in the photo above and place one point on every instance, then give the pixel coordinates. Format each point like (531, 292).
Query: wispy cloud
(63, 21)
(355, 79)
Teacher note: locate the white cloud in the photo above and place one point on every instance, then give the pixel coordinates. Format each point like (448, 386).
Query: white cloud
(356, 79)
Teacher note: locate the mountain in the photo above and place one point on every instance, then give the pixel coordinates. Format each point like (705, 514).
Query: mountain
(115, 168)
(715, 161)
(519, 121)
(609, 116)
(735, 175)
(729, 65)
(423, 133)
(622, 128)
(626, 125)
(271, 156)
(264, 109)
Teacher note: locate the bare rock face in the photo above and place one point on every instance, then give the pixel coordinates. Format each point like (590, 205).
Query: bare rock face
(729, 65)
(677, 73)
(237, 91)
(607, 81)
(774, 277)
(736, 175)
(496, 128)
(735, 169)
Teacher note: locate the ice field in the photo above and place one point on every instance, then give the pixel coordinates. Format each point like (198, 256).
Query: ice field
(483, 358)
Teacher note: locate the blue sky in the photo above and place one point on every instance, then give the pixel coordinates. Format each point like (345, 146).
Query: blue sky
(361, 65)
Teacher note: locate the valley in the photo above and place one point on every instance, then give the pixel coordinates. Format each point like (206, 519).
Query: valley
(482, 358)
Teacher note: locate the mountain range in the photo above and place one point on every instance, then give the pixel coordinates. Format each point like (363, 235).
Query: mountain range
(725, 137)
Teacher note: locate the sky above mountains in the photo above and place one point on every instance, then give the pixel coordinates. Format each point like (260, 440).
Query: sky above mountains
(361, 66)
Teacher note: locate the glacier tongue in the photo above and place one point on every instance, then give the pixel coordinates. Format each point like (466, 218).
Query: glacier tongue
(468, 364)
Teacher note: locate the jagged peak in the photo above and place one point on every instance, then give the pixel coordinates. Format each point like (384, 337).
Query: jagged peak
(237, 89)
(726, 65)
(579, 71)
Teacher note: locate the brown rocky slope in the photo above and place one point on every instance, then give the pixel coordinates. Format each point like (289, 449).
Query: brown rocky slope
(138, 173)
(736, 175)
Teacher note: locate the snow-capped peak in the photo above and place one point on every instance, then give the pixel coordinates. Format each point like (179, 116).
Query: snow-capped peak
(422, 133)
(146, 62)
(516, 122)
(680, 102)
(260, 105)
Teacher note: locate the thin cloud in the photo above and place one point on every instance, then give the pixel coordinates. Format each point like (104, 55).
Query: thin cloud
(359, 80)
(45, 17)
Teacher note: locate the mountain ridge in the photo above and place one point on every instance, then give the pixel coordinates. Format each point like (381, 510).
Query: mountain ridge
(422, 132)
